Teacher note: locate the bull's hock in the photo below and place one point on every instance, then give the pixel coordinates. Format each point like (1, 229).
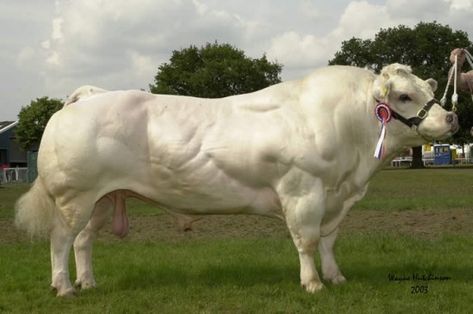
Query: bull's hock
(299, 150)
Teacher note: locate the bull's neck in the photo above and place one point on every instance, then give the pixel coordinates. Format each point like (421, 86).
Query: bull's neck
(368, 129)
(354, 132)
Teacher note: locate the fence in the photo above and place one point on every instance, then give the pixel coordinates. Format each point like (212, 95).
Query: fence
(14, 175)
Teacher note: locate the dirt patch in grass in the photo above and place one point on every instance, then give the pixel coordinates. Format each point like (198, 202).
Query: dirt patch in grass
(425, 224)
(421, 223)
(162, 227)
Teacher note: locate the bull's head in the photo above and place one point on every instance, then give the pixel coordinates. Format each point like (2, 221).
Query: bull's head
(412, 102)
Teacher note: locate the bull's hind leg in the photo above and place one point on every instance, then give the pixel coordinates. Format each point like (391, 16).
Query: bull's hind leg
(83, 244)
(61, 242)
(73, 216)
(330, 270)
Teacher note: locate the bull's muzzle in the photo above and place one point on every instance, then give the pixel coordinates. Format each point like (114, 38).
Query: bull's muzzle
(452, 119)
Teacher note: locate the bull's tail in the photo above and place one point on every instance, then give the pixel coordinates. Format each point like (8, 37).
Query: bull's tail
(83, 92)
(35, 210)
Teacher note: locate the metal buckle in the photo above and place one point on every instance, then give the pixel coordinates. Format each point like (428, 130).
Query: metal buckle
(422, 113)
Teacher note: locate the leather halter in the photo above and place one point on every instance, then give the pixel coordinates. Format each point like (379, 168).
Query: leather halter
(421, 114)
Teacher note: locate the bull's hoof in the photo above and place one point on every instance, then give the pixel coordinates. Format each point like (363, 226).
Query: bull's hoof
(313, 286)
(85, 281)
(64, 293)
(339, 279)
(336, 279)
(85, 284)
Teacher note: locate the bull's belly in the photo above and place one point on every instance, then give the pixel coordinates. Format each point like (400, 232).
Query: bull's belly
(242, 201)
(189, 195)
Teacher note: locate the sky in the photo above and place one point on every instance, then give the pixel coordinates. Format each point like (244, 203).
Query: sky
(49, 48)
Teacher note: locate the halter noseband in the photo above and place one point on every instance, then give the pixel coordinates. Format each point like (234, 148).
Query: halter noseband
(421, 114)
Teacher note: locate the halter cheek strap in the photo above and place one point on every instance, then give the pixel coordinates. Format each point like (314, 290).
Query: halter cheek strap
(384, 113)
(421, 114)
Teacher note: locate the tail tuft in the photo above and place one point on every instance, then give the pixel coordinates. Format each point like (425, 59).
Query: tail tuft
(34, 211)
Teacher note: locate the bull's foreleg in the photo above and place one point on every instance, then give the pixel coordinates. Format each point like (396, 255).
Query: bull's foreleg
(330, 270)
(83, 243)
(303, 221)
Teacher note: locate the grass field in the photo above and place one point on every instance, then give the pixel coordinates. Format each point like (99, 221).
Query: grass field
(412, 223)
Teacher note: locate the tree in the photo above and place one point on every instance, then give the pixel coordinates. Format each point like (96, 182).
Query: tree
(214, 70)
(32, 120)
(426, 48)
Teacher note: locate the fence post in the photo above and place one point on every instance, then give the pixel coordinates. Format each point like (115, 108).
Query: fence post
(32, 157)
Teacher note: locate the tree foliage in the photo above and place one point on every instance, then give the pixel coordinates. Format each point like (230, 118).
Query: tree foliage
(426, 48)
(32, 120)
(214, 70)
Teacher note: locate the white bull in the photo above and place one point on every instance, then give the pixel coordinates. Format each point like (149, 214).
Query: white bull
(300, 150)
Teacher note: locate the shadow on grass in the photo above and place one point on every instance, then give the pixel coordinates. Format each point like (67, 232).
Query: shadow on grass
(247, 276)
(209, 276)
(409, 272)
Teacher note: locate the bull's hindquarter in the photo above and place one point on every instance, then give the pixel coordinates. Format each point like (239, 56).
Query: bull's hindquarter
(280, 152)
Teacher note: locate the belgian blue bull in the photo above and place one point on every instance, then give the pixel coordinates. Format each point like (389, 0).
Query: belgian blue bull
(301, 150)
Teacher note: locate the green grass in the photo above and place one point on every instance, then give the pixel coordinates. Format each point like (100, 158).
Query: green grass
(404, 189)
(259, 275)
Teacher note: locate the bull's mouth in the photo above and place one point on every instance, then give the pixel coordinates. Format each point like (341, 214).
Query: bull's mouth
(453, 129)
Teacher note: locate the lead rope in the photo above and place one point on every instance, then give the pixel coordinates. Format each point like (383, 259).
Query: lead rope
(455, 78)
(443, 101)
(469, 58)
(454, 73)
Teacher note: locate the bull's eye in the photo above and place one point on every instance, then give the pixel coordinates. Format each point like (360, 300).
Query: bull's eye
(404, 98)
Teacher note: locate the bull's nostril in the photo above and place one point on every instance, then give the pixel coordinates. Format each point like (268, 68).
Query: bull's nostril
(450, 117)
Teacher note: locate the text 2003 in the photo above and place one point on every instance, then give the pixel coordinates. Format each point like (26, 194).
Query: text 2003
(419, 289)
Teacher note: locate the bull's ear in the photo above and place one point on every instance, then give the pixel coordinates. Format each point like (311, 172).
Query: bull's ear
(381, 87)
(432, 83)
